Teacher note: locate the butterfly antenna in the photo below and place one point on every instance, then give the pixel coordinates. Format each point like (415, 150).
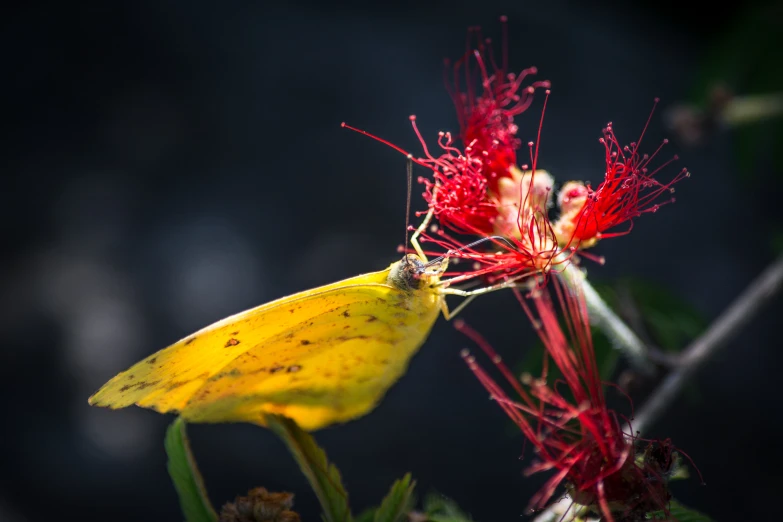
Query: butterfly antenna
(409, 169)
(497, 239)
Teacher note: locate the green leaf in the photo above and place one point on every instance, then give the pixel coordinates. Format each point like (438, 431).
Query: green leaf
(368, 515)
(324, 477)
(680, 513)
(666, 318)
(740, 58)
(438, 508)
(398, 501)
(193, 499)
(777, 241)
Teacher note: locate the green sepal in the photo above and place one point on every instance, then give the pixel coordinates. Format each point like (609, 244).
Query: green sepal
(193, 498)
(398, 502)
(324, 477)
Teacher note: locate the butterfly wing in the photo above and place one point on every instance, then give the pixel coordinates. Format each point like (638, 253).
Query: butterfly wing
(166, 380)
(229, 371)
(332, 368)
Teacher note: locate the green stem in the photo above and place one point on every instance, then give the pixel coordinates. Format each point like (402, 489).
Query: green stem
(193, 498)
(742, 110)
(323, 476)
(601, 316)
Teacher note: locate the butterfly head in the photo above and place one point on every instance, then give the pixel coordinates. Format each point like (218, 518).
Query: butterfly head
(411, 273)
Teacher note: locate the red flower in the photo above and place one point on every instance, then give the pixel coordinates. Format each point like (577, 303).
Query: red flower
(572, 431)
(629, 189)
(458, 193)
(487, 118)
(460, 199)
(465, 191)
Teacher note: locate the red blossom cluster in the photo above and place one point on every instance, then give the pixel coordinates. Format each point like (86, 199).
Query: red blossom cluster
(629, 189)
(477, 188)
(604, 466)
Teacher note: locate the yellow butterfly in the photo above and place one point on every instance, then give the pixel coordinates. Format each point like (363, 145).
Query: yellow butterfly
(320, 357)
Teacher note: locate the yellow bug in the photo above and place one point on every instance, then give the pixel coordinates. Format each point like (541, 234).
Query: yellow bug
(320, 357)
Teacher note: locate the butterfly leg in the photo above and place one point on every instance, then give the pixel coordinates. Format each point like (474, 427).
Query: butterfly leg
(450, 314)
(480, 291)
(415, 237)
(470, 295)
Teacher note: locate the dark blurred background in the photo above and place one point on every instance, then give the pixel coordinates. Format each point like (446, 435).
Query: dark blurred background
(166, 164)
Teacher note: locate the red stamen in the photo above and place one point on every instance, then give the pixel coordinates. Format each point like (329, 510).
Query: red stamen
(573, 430)
(628, 190)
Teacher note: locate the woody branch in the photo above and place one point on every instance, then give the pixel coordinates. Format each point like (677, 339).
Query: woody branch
(721, 331)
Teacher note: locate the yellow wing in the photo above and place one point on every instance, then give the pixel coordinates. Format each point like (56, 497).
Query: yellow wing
(321, 356)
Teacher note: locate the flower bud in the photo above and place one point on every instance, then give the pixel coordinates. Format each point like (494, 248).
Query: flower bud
(260, 506)
(572, 197)
(527, 189)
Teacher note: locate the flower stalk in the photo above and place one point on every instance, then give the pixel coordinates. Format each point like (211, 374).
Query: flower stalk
(603, 317)
(605, 467)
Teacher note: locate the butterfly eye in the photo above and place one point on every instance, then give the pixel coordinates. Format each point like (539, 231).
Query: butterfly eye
(407, 274)
(415, 262)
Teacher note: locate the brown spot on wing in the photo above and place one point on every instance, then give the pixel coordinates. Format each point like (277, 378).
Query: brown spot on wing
(152, 361)
(190, 341)
(235, 333)
(275, 369)
(140, 385)
(371, 318)
(294, 368)
(345, 314)
(344, 338)
(233, 373)
(232, 342)
(304, 342)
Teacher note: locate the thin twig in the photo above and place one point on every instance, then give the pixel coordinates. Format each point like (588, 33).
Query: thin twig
(752, 109)
(723, 329)
(621, 336)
